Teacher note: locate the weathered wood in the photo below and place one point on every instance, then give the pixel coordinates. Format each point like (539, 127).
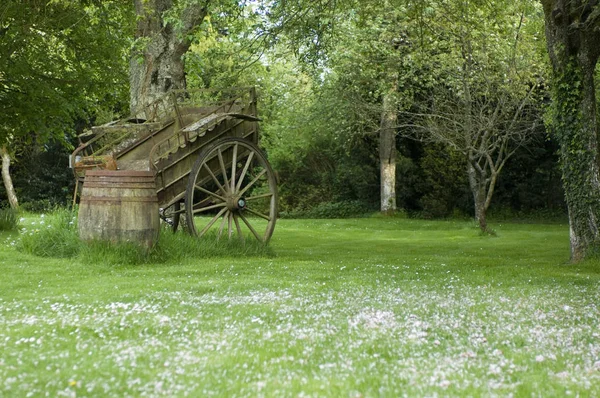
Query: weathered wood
(170, 146)
(119, 206)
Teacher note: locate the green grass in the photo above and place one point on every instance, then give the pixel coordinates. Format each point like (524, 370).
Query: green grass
(9, 219)
(360, 307)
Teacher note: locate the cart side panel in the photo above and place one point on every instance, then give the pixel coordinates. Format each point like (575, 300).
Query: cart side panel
(173, 171)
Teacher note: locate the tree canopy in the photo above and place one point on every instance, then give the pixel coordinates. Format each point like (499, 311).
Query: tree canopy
(59, 61)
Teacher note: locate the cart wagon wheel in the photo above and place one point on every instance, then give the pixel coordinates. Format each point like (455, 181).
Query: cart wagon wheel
(232, 191)
(171, 216)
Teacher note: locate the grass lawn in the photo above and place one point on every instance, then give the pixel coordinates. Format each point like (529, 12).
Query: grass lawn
(344, 308)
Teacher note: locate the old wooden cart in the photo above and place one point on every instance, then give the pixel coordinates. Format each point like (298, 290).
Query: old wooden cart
(211, 177)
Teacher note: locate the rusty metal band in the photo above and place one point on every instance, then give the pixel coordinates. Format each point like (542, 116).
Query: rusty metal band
(119, 173)
(148, 199)
(128, 179)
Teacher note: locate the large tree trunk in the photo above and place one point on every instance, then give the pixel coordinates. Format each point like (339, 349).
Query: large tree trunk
(387, 152)
(573, 34)
(157, 64)
(8, 185)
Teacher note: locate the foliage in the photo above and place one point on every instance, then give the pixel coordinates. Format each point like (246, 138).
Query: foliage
(42, 177)
(484, 105)
(9, 219)
(531, 182)
(314, 133)
(444, 185)
(322, 69)
(57, 60)
(325, 210)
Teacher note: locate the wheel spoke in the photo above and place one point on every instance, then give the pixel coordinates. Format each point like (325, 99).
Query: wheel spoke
(203, 209)
(223, 169)
(221, 227)
(237, 226)
(264, 195)
(206, 191)
(250, 227)
(212, 221)
(176, 212)
(229, 226)
(244, 171)
(224, 190)
(233, 166)
(257, 214)
(247, 187)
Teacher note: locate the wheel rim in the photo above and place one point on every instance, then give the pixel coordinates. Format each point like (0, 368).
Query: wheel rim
(232, 193)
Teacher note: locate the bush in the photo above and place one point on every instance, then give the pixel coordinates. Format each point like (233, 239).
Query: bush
(9, 219)
(344, 209)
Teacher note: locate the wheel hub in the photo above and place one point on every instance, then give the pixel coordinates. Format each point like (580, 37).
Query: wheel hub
(236, 203)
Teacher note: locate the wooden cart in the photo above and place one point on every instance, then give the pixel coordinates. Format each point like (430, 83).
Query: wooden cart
(202, 146)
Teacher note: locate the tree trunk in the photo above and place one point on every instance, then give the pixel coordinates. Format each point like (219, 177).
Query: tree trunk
(479, 192)
(8, 185)
(387, 152)
(573, 34)
(157, 65)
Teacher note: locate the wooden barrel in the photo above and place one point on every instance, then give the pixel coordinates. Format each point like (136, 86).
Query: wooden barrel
(119, 206)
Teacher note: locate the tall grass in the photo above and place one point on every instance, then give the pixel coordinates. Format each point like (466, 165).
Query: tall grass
(171, 248)
(55, 235)
(9, 219)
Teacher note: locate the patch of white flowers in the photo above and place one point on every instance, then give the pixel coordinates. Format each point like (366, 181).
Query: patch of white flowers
(363, 341)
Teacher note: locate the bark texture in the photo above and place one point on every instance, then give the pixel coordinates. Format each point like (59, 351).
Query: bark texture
(387, 152)
(573, 39)
(478, 189)
(8, 185)
(157, 63)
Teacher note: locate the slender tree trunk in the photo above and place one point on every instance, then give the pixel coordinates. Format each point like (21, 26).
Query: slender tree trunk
(8, 185)
(387, 151)
(479, 192)
(573, 34)
(157, 65)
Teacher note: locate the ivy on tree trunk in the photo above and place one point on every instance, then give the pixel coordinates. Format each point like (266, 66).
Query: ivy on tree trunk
(573, 37)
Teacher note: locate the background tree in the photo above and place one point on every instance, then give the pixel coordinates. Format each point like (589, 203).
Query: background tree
(484, 103)
(573, 37)
(58, 62)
